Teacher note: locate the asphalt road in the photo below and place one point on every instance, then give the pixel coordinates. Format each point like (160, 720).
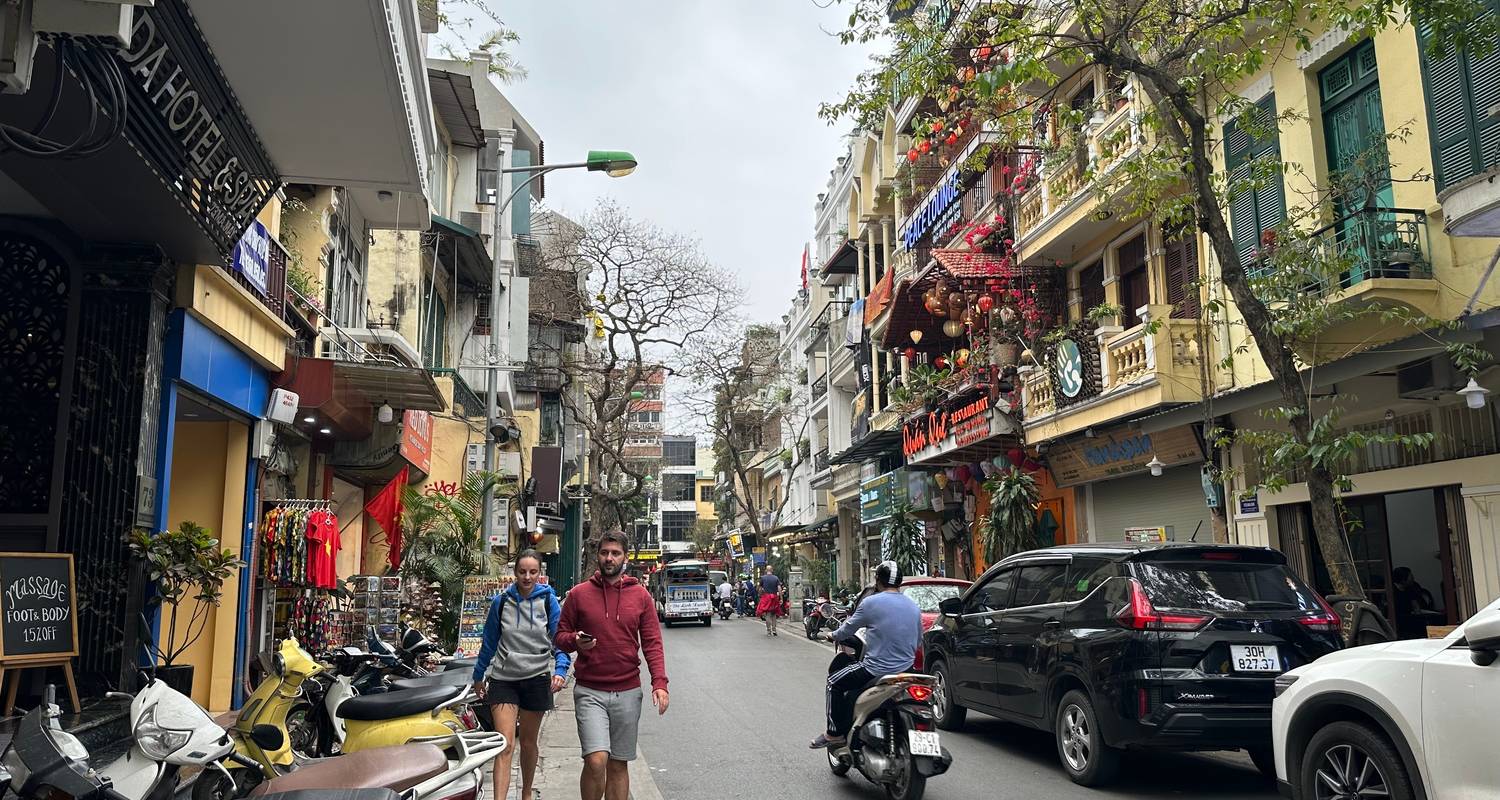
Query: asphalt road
(744, 707)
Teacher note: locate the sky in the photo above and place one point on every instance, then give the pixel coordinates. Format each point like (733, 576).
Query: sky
(718, 101)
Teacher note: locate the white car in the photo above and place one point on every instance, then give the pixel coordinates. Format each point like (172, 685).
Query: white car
(1410, 720)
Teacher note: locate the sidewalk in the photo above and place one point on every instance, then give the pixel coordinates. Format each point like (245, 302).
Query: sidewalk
(559, 764)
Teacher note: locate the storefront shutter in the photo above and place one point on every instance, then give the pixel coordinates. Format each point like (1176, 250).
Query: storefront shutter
(1461, 91)
(1181, 255)
(1253, 211)
(1139, 501)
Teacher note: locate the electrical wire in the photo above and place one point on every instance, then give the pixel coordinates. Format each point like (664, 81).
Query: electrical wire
(102, 80)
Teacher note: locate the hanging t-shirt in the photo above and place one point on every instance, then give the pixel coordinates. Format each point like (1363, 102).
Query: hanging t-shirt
(329, 538)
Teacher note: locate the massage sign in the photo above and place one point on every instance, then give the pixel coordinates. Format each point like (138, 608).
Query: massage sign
(37, 606)
(952, 426)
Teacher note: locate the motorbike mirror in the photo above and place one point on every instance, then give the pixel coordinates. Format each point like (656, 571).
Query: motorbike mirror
(267, 737)
(951, 606)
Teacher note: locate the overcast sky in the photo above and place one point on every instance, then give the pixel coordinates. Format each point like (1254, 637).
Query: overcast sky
(717, 99)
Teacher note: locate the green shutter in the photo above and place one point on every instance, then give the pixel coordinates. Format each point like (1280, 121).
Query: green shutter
(1462, 90)
(1251, 212)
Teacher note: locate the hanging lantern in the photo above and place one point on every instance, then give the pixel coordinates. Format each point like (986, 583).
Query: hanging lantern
(1008, 315)
(951, 140)
(961, 473)
(916, 336)
(911, 354)
(912, 155)
(937, 126)
(941, 362)
(968, 318)
(941, 480)
(924, 147)
(985, 303)
(953, 328)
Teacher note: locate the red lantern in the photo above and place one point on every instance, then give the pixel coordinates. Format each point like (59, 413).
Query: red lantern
(534, 537)
(941, 362)
(937, 127)
(912, 154)
(1016, 456)
(911, 354)
(952, 139)
(984, 52)
(924, 147)
(985, 303)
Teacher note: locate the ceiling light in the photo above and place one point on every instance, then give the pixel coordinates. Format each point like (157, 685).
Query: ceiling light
(1155, 465)
(385, 414)
(325, 431)
(1474, 394)
(309, 420)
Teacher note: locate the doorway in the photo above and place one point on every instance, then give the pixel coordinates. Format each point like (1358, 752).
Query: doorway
(1403, 556)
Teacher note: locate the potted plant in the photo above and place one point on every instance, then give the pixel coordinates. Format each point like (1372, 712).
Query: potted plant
(1008, 527)
(182, 565)
(906, 540)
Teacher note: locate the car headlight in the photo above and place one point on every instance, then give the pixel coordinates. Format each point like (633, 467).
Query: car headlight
(1284, 681)
(156, 741)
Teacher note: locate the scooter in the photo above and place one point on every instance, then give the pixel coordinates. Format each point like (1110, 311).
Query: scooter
(893, 741)
(726, 608)
(825, 615)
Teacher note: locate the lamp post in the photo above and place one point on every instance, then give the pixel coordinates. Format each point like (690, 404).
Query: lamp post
(614, 163)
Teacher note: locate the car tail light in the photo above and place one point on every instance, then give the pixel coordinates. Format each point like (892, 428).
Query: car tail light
(1140, 615)
(1143, 703)
(1328, 620)
(919, 693)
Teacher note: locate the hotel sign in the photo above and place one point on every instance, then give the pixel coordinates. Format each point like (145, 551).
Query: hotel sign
(954, 426)
(1124, 451)
(922, 220)
(188, 124)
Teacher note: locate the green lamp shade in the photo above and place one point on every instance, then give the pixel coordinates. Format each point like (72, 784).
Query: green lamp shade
(637, 395)
(615, 163)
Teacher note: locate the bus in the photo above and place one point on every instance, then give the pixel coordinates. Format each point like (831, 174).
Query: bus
(681, 591)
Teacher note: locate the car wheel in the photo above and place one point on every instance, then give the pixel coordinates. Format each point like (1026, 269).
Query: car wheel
(836, 765)
(1352, 761)
(948, 714)
(1264, 759)
(1080, 742)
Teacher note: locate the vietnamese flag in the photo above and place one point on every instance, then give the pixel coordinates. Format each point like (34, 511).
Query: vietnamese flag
(385, 509)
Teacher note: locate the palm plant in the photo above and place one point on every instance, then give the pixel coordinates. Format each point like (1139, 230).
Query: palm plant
(444, 543)
(906, 540)
(1007, 529)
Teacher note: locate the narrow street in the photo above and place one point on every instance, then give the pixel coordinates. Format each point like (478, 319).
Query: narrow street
(744, 706)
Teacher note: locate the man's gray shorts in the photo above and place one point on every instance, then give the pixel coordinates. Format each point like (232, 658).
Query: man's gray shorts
(608, 721)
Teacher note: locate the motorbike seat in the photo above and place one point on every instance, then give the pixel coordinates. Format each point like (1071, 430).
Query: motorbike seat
(395, 768)
(390, 705)
(453, 677)
(461, 663)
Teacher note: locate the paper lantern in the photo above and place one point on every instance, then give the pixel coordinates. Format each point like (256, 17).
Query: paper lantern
(1000, 462)
(952, 328)
(987, 468)
(963, 357)
(916, 337)
(962, 473)
(985, 303)
(1008, 315)
(911, 354)
(941, 480)
(941, 362)
(1016, 456)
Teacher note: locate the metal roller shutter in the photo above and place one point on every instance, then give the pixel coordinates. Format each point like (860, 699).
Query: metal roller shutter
(1141, 501)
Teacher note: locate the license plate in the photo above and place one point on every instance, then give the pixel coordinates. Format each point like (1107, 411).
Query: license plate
(1255, 658)
(924, 743)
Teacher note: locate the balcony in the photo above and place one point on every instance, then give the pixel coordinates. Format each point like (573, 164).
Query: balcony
(823, 326)
(820, 388)
(1126, 372)
(528, 256)
(1060, 200)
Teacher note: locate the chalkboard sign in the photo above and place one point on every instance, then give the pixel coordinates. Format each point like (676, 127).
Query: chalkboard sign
(38, 606)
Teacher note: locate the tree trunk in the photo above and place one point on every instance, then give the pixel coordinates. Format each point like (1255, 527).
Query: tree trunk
(1186, 127)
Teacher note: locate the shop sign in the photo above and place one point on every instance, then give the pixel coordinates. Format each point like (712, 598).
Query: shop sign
(952, 427)
(1147, 535)
(879, 496)
(1250, 505)
(923, 219)
(195, 134)
(252, 257)
(1069, 368)
(1125, 451)
(38, 607)
(416, 439)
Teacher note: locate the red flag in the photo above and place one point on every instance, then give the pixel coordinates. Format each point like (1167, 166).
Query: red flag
(804, 267)
(385, 509)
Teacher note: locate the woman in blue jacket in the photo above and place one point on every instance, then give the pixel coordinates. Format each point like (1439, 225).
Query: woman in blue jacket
(518, 670)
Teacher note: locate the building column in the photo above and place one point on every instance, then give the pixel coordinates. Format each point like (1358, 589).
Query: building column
(1482, 518)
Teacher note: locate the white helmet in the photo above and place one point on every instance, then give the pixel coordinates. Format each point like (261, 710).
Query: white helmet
(888, 574)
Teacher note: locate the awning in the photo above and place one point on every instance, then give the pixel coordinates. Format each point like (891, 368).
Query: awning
(340, 396)
(874, 445)
(453, 100)
(461, 250)
(910, 314)
(844, 261)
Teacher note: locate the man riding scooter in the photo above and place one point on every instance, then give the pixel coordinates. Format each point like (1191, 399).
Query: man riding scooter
(892, 623)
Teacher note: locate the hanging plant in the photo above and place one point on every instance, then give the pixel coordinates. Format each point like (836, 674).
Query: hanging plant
(1008, 527)
(906, 540)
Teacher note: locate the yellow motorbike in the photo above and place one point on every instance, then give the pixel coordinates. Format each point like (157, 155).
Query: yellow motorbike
(261, 733)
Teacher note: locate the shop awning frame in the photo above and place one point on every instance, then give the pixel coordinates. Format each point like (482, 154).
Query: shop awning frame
(876, 443)
(844, 261)
(460, 249)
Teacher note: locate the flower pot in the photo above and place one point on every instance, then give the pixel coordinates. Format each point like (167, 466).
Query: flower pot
(177, 676)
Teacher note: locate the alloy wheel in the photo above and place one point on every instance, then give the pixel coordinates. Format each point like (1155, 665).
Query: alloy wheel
(940, 694)
(1349, 773)
(1076, 738)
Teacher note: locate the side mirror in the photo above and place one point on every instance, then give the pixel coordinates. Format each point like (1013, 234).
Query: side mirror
(1483, 637)
(267, 737)
(951, 606)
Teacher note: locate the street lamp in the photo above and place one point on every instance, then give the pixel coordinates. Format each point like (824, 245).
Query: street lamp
(614, 163)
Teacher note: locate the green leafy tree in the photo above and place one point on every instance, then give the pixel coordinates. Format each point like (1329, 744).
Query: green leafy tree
(906, 540)
(1001, 68)
(1010, 525)
(185, 564)
(443, 543)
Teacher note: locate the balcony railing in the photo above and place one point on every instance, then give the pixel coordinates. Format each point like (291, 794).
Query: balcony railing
(820, 460)
(1365, 244)
(824, 324)
(465, 400)
(820, 387)
(1108, 140)
(528, 256)
(1171, 354)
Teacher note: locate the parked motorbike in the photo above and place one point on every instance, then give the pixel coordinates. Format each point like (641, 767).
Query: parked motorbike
(726, 608)
(893, 741)
(825, 615)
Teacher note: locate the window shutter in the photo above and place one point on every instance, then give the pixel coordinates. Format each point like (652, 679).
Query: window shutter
(1091, 287)
(1251, 212)
(1181, 258)
(1461, 90)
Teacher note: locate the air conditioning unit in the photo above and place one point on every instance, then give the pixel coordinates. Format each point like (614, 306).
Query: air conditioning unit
(17, 47)
(1428, 379)
(108, 19)
(481, 221)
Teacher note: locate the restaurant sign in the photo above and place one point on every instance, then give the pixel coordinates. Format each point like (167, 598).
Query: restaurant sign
(189, 125)
(1124, 451)
(954, 426)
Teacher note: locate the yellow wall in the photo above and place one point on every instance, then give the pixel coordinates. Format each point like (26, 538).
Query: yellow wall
(706, 510)
(207, 457)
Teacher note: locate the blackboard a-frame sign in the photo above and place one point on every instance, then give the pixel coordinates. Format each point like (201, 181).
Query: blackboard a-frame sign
(38, 607)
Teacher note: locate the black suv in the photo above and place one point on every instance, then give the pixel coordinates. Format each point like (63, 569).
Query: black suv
(1168, 645)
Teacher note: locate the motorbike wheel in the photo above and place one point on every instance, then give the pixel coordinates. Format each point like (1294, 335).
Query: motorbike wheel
(911, 784)
(302, 730)
(213, 784)
(810, 627)
(836, 765)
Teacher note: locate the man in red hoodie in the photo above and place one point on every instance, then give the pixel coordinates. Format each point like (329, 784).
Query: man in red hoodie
(608, 620)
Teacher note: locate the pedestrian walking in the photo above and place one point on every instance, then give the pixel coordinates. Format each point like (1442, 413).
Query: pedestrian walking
(769, 607)
(609, 620)
(518, 669)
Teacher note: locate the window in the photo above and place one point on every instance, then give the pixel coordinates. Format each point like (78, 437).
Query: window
(994, 595)
(488, 172)
(1084, 576)
(679, 452)
(676, 487)
(1135, 280)
(677, 526)
(1040, 584)
(1091, 287)
(1224, 586)
(927, 596)
(481, 325)
(705, 494)
(344, 258)
(551, 427)
(1463, 90)
(1253, 209)
(434, 316)
(1181, 263)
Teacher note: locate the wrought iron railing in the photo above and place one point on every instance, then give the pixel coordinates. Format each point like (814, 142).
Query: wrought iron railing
(1459, 432)
(528, 256)
(1365, 244)
(820, 387)
(820, 460)
(465, 400)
